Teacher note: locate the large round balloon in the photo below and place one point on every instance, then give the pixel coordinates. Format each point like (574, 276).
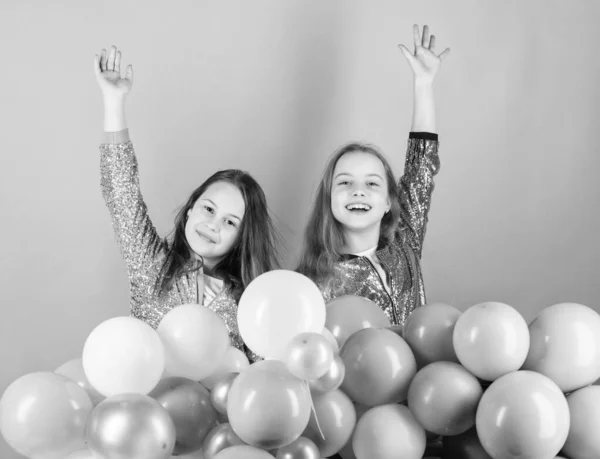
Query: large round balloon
(44, 414)
(379, 367)
(491, 339)
(234, 361)
(523, 414)
(428, 331)
(565, 345)
(388, 432)
(443, 396)
(131, 426)
(275, 307)
(189, 405)
(73, 369)
(348, 314)
(464, 446)
(336, 419)
(218, 439)
(243, 452)
(583, 440)
(267, 406)
(123, 355)
(195, 340)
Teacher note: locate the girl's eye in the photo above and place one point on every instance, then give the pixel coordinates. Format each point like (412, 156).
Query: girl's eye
(343, 182)
(209, 209)
(373, 184)
(230, 222)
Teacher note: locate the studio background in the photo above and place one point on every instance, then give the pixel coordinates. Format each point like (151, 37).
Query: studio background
(274, 87)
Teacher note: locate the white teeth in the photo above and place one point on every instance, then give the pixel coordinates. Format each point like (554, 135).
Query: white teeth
(358, 207)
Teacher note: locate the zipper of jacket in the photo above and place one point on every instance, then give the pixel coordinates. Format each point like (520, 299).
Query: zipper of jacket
(383, 285)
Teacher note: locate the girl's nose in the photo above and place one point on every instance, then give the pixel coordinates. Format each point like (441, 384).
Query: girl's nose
(358, 192)
(213, 226)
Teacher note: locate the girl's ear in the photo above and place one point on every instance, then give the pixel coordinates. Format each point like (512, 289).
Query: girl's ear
(388, 205)
(187, 215)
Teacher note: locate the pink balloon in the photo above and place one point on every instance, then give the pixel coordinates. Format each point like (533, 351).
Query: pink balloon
(44, 414)
(443, 396)
(349, 314)
(523, 412)
(195, 340)
(428, 331)
(491, 339)
(308, 356)
(330, 380)
(583, 440)
(336, 418)
(218, 439)
(379, 367)
(267, 406)
(243, 452)
(565, 345)
(388, 432)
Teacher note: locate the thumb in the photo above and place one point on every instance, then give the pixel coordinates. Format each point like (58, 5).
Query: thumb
(97, 65)
(409, 56)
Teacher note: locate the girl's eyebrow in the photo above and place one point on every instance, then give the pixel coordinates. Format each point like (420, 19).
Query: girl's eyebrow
(214, 205)
(350, 175)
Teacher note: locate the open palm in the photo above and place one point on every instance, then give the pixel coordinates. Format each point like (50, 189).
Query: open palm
(424, 62)
(107, 67)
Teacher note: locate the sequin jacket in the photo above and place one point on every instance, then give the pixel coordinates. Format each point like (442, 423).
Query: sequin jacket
(356, 275)
(142, 248)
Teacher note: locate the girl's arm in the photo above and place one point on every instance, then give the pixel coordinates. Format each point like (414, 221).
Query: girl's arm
(136, 236)
(422, 162)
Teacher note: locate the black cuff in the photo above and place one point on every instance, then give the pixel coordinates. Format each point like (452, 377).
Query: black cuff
(423, 135)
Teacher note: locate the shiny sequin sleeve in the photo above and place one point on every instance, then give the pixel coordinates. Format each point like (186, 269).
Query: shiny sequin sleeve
(416, 187)
(136, 236)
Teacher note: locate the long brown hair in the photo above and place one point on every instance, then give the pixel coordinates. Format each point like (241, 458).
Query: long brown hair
(324, 235)
(254, 251)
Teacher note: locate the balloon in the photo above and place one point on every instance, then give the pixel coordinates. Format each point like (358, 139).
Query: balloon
(195, 455)
(336, 418)
(464, 446)
(219, 394)
(73, 369)
(189, 405)
(491, 339)
(330, 380)
(44, 414)
(302, 448)
(428, 331)
(443, 397)
(195, 339)
(308, 356)
(243, 452)
(379, 367)
(221, 437)
(131, 426)
(347, 452)
(327, 334)
(348, 314)
(583, 440)
(83, 454)
(123, 355)
(565, 345)
(233, 362)
(388, 432)
(267, 406)
(522, 413)
(275, 307)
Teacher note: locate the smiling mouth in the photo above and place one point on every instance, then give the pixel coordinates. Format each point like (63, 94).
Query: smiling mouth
(359, 208)
(205, 237)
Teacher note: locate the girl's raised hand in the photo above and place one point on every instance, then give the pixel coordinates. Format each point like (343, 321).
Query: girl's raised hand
(107, 67)
(424, 62)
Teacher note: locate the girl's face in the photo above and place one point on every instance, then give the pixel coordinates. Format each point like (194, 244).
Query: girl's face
(359, 191)
(214, 222)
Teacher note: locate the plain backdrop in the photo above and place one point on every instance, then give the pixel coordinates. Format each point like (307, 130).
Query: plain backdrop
(274, 87)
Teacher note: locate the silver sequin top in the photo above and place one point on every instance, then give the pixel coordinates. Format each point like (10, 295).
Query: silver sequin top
(356, 275)
(142, 248)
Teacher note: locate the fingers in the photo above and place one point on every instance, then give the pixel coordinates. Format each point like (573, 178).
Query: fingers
(129, 73)
(444, 54)
(103, 60)
(432, 43)
(425, 40)
(110, 64)
(416, 36)
(118, 62)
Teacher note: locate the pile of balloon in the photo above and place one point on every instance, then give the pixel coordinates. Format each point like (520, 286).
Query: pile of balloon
(333, 378)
